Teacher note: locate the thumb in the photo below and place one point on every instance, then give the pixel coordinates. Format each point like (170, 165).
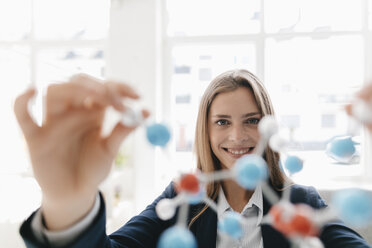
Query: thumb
(348, 109)
(118, 134)
(27, 124)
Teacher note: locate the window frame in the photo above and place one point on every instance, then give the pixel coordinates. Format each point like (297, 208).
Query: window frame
(37, 46)
(259, 40)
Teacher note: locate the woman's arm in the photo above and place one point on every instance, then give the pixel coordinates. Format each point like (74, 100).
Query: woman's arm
(142, 230)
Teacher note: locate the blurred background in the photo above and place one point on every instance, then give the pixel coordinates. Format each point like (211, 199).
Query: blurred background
(311, 55)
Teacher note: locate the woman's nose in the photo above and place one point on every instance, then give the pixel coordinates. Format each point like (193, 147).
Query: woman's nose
(237, 133)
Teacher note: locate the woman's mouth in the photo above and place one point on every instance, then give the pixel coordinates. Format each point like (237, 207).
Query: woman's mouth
(238, 152)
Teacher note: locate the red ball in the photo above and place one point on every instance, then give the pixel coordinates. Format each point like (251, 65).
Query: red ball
(189, 183)
(301, 222)
(294, 221)
(300, 225)
(280, 222)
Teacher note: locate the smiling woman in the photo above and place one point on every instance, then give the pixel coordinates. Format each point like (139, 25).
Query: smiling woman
(241, 99)
(226, 129)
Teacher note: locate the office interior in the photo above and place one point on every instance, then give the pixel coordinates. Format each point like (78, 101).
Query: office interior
(311, 55)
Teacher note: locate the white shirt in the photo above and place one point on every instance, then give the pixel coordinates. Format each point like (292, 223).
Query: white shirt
(252, 215)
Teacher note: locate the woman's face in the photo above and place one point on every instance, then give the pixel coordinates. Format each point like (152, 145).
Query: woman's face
(232, 123)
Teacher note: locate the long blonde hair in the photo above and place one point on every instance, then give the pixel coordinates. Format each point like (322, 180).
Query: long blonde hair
(206, 160)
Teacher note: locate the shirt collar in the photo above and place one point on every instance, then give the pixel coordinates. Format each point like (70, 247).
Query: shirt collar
(223, 205)
(256, 201)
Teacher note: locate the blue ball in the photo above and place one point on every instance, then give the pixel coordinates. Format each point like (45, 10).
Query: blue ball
(177, 237)
(293, 164)
(231, 224)
(354, 206)
(341, 149)
(196, 198)
(250, 170)
(158, 134)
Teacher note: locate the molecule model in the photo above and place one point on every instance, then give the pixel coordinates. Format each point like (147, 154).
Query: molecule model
(298, 222)
(342, 149)
(354, 206)
(157, 134)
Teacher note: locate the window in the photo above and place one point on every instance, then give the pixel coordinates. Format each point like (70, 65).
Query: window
(209, 17)
(328, 121)
(310, 57)
(315, 16)
(39, 45)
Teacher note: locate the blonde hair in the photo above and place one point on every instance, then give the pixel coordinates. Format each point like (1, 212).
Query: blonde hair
(206, 160)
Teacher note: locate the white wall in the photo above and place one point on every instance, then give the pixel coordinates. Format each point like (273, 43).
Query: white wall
(134, 55)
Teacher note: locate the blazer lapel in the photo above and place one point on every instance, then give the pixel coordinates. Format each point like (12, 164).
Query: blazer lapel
(205, 229)
(270, 236)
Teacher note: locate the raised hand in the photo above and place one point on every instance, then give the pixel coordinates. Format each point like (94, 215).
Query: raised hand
(364, 94)
(69, 156)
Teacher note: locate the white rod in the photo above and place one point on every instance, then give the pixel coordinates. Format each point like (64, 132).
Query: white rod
(269, 193)
(211, 203)
(286, 191)
(260, 148)
(182, 215)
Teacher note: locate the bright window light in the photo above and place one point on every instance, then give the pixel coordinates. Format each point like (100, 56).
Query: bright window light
(313, 16)
(15, 20)
(15, 76)
(71, 20)
(310, 57)
(41, 42)
(210, 17)
(55, 65)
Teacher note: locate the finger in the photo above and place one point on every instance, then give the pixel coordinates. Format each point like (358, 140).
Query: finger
(348, 108)
(93, 86)
(27, 124)
(118, 134)
(369, 127)
(122, 89)
(366, 92)
(115, 90)
(81, 76)
(89, 82)
(61, 97)
(114, 96)
(145, 113)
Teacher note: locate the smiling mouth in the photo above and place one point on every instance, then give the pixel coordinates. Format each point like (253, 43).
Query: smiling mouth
(238, 152)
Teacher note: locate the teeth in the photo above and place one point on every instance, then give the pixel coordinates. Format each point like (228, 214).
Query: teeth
(238, 152)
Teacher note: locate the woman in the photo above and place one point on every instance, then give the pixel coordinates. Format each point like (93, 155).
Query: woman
(70, 159)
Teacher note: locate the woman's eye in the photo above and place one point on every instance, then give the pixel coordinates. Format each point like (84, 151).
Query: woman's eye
(253, 121)
(222, 122)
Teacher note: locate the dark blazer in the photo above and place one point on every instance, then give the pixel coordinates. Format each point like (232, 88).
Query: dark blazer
(144, 230)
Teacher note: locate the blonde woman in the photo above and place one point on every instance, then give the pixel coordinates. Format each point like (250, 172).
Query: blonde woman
(70, 159)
